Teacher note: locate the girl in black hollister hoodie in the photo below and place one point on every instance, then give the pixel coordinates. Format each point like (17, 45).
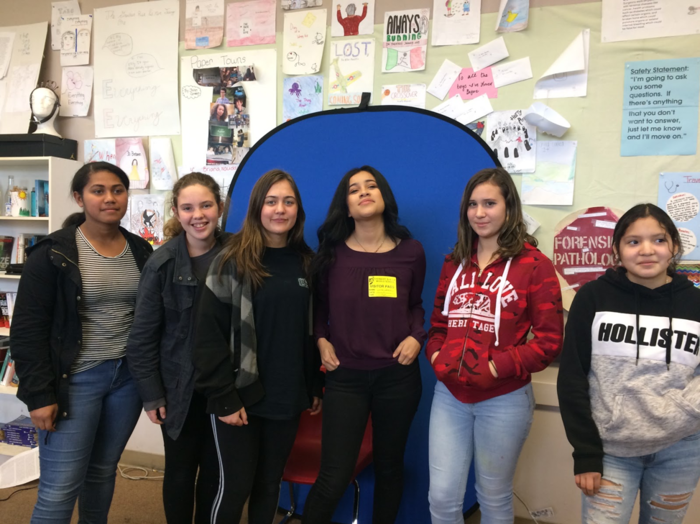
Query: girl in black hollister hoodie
(629, 381)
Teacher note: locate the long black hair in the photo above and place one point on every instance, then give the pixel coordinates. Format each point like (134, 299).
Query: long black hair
(82, 178)
(339, 225)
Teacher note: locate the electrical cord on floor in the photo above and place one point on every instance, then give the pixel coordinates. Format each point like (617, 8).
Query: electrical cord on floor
(529, 513)
(124, 469)
(18, 490)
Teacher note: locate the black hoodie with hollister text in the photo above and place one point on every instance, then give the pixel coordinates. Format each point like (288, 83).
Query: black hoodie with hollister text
(629, 379)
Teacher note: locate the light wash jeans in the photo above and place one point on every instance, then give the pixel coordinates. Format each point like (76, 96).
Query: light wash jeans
(80, 457)
(666, 478)
(493, 432)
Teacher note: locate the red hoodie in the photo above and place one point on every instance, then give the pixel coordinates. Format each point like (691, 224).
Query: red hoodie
(473, 329)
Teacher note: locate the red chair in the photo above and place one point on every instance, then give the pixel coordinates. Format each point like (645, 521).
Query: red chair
(304, 461)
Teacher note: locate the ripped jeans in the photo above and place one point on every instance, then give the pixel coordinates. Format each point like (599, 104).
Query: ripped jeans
(665, 480)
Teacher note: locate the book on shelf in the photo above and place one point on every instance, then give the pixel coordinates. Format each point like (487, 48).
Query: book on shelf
(25, 241)
(6, 245)
(41, 187)
(5, 363)
(5, 315)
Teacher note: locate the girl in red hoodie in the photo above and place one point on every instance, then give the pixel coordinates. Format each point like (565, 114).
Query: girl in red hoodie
(494, 289)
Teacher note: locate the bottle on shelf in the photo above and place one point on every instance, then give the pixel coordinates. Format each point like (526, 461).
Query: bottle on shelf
(33, 203)
(8, 195)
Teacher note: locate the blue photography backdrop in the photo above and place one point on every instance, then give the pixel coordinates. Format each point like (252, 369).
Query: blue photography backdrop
(427, 160)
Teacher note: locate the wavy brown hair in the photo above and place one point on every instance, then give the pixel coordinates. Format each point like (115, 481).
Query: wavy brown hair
(172, 227)
(513, 234)
(246, 248)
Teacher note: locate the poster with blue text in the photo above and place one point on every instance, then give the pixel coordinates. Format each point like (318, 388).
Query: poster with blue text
(660, 112)
(679, 196)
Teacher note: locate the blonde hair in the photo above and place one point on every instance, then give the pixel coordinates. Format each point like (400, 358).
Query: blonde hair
(172, 227)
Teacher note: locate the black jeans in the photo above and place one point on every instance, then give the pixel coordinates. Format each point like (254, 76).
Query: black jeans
(391, 395)
(193, 451)
(251, 461)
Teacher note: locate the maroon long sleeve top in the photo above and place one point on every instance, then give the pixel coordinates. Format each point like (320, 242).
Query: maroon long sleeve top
(354, 313)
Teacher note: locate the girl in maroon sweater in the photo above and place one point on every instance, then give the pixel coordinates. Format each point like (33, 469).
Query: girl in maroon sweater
(368, 324)
(494, 289)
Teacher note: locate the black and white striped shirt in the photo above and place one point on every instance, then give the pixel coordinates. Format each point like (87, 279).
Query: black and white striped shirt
(106, 306)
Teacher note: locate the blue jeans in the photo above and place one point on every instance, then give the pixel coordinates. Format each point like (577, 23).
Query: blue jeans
(665, 480)
(493, 432)
(80, 458)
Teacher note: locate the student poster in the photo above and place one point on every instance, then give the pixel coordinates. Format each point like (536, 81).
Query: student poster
(136, 47)
(204, 23)
(679, 196)
(61, 10)
(131, 157)
(352, 18)
(634, 20)
(660, 113)
(405, 40)
(513, 15)
(552, 183)
(75, 40)
(250, 23)
(302, 95)
(411, 95)
(471, 84)
(513, 140)
(352, 71)
(76, 91)
(456, 22)
(304, 37)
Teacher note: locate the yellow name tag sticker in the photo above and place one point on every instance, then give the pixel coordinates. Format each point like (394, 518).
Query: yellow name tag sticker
(382, 287)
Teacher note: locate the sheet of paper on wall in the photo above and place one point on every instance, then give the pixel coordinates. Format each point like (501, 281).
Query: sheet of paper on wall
(352, 71)
(75, 40)
(475, 109)
(410, 95)
(136, 67)
(531, 224)
(303, 39)
(61, 10)
(443, 79)
(204, 23)
(489, 54)
(679, 196)
(300, 4)
(76, 91)
(163, 173)
(512, 16)
(456, 22)
(470, 84)
(131, 157)
(21, 81)
(405, 40)
(352, 19)
(626, 20)
(511, 72)
(100, 150)
(451, 108)
(513, 140)
(660, 107)
(302, 95)
(546, 119)
(552, 183)
(251, 23)
(147, 217)
(567, 77)
(7, 40)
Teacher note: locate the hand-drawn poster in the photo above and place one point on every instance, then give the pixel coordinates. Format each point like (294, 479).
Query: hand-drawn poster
(61, 10)
(301, 95)
(513, 140)
(411, 95)
(300, 4)
(512, 16)
(131, 157)
(679, 196)
(250, 23)
(75, 40)
(204, 24)
(163, 172)
(552, 183)
(76, 91)
(470, 84)
(352, 71)
(136, 68)
(352, 19)
(456, 22)
(660, 107)
(303, 39)
(104, 150)
(147, 217)
(690, 271)
(568, 76)
(405, 40)
(635, 20)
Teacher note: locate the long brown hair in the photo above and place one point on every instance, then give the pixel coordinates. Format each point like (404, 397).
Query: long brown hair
(513, 234)
(172, 227)
(247, 247)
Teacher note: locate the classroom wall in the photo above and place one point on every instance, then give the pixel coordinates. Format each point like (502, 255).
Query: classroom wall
(544, 477)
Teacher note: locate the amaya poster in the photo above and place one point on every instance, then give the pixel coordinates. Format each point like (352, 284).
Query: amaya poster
(405, 40)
